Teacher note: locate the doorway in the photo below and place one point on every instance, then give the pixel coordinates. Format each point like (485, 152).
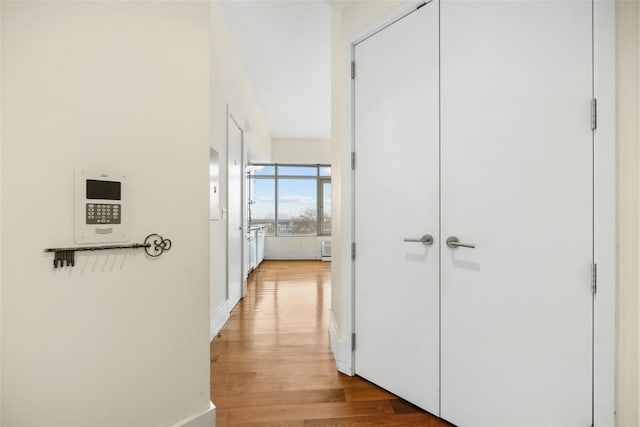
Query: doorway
(235, 215)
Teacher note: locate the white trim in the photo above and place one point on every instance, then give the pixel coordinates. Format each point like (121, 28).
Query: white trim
(204, 419)
(348, 212)
(218, 318)
(604, 202)
(605, 212)
(385, 20)
(293, 255)
(237, 118)
(338, 346)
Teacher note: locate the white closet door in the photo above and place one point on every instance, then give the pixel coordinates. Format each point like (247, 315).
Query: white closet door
(235, 236)
(396, 197)
(517, 183)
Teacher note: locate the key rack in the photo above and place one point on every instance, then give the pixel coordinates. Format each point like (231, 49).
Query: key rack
(154, 245)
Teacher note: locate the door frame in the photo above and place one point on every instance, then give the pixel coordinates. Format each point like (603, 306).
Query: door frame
(604, 208)
(235, 118)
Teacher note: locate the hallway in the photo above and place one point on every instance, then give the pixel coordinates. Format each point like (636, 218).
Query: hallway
(273, 366)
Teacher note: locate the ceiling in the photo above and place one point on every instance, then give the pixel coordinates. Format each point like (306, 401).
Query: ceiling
(285, 47)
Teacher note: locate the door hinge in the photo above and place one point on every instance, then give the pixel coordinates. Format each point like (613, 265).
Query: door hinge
(353, 341)
(353, 160)
(594, 114)
(594, 278)
(353, 251)
(353, 69)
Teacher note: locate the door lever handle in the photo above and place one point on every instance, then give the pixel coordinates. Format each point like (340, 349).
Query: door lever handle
(453, 243)
(426, 240)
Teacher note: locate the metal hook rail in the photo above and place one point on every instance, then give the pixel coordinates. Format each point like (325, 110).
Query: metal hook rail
(154, 245)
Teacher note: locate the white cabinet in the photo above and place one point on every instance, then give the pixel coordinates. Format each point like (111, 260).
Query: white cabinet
(251, 251)
(260, 245)
(255, 247)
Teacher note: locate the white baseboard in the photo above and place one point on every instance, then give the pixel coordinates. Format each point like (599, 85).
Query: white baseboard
(338, 346)
(218, 318)
(292, 255)
(204, 419)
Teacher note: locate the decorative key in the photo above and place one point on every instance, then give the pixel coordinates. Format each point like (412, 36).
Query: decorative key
(154, 245)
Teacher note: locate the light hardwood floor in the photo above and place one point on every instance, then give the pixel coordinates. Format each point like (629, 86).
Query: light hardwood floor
(273, 366)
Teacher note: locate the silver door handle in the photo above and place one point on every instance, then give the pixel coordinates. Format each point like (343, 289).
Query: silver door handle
(426, 240)
(453, 242)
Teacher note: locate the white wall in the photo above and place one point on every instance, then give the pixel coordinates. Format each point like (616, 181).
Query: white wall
(294, 247)
(301, 151)
(229, 88)
(119, 339)
(628, 49)
(0, 216)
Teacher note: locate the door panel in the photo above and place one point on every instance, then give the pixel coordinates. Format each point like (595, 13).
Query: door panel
(396, 197)
(235, 233)
(517, 183)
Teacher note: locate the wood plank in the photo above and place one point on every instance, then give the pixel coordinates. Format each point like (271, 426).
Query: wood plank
(287, 412)
(414, 420)
(239, 400)
(273, 366)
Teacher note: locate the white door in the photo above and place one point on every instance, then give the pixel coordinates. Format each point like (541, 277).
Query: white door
(396, 197)
(517, 183)
(235, 235)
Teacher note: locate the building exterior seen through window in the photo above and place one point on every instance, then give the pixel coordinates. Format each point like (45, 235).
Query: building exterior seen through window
(290, 200)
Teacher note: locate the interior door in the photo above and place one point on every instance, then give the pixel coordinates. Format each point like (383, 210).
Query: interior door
(235, 235)
(517, 184)
(396, 198)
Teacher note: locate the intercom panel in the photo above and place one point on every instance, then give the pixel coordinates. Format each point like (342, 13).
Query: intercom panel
(102, 209)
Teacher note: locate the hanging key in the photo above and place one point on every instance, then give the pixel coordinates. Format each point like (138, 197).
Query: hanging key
(57, 259)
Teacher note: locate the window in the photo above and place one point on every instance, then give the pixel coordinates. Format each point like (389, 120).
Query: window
(291, 200)
(297, 207)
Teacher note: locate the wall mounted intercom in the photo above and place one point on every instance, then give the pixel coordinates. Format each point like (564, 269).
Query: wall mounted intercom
(102, 211)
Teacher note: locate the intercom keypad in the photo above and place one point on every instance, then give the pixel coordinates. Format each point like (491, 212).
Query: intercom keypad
(103, 213)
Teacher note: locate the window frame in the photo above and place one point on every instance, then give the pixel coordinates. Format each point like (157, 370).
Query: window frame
(320, 179)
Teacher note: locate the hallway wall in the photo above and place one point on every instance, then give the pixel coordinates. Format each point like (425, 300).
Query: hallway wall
(119, 339)
(1, 7)
(301, 151)
(628, 83)
(229, 88)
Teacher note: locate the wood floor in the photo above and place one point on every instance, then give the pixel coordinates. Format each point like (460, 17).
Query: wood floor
(273, 366)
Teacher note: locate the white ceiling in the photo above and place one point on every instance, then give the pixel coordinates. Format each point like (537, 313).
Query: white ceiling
(285, 47)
